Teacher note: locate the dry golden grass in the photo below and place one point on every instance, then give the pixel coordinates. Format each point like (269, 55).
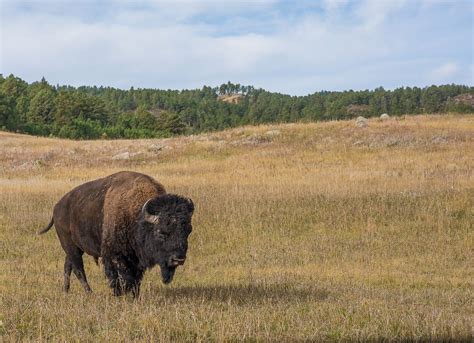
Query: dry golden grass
(301, 232)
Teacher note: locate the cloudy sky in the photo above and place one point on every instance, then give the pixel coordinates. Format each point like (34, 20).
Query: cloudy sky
(294, 47)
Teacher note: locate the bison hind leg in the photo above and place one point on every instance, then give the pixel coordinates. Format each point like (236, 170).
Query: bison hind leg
(78, 269)
(73, 260)
(67, 274)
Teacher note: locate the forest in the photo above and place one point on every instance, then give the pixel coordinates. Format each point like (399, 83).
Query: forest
(91, 112)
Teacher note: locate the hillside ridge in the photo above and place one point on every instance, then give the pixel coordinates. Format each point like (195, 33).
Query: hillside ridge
(408, 132)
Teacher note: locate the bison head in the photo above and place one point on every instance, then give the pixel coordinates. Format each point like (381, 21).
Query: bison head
(164, 227)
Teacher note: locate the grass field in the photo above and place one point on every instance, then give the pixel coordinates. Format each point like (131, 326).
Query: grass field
(301, 232)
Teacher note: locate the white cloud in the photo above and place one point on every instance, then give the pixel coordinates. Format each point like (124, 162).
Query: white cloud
(332, 5)
(188, 44)
(373, 13)
(445, 72)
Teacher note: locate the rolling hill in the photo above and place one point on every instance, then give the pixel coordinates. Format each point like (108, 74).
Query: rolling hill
(318, 231)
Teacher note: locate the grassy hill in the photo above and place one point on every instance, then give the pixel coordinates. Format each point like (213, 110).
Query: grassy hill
(319, 231)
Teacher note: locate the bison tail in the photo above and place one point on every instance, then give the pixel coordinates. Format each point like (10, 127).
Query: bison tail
(46, 229)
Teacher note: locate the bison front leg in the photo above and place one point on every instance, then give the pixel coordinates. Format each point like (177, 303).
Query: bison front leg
(112, 274)
(135, 285)
(123, 276)
(129, 276)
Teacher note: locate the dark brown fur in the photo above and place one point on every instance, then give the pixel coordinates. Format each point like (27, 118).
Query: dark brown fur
(103, 218)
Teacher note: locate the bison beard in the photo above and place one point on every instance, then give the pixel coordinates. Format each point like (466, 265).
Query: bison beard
(129, 221)
(167, 274)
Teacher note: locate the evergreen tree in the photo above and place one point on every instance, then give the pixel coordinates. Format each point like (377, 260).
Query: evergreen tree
(6, 109)
(94, 112)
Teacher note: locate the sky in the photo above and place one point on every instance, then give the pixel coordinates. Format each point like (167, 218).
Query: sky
(293, 47)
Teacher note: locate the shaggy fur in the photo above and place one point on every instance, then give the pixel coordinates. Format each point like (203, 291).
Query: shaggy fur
(104, 218)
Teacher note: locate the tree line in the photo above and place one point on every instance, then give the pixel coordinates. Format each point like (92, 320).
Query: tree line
(40, 108)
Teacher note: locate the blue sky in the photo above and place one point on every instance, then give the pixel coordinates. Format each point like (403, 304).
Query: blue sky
(294, 47)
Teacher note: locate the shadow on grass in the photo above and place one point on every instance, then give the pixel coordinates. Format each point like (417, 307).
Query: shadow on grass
(245, 294)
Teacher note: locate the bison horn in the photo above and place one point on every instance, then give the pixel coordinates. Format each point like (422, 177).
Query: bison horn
(151, 218)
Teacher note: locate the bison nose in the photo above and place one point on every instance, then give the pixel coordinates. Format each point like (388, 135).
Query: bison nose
(177, 260)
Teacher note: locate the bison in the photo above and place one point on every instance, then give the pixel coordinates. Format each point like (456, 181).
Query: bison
(130, 222)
